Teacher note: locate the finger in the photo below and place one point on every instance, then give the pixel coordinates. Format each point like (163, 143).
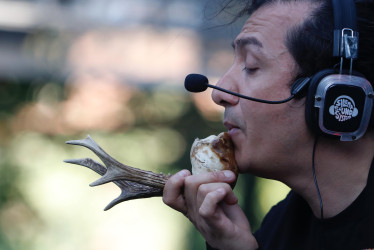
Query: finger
(220, 209)
(226, 176)
(237, 216)
(204, 189)
(192, 183)
(230, 197)
(209, 206)
(173, 191)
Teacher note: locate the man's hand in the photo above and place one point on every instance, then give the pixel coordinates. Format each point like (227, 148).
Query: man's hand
(211, 205)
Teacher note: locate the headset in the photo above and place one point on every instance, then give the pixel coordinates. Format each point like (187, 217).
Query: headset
(339, 102)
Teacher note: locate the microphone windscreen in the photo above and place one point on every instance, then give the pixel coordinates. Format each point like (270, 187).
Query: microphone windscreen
(196, 83)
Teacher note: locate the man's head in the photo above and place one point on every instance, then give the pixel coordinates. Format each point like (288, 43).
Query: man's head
(264, 68)
(282, 40)
(311, 43)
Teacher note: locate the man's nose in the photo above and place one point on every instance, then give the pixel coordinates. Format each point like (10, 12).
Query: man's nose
(222, 98)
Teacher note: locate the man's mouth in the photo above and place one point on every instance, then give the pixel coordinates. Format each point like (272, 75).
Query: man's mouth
(231, 127)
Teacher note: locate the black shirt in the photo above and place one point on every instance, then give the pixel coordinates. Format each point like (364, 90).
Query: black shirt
(292, 225)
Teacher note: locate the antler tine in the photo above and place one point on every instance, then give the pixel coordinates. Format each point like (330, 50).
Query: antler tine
(89, 143)
(132, 190)
(117, 170)
(89, 163)
(129, 190)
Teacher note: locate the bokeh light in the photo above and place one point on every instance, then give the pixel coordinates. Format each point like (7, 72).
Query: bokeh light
(114, 70)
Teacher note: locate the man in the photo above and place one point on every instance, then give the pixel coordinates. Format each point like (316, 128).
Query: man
(279, 43)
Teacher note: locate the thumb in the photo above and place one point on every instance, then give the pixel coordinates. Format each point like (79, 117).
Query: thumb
(230, 198)
(236, 215)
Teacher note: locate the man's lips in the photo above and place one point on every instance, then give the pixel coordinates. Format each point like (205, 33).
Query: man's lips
(231, 127)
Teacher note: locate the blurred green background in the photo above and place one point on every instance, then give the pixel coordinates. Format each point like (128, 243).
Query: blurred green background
(113, 69)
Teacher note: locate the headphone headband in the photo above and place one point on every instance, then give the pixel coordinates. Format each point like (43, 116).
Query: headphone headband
(344, 14)
(341, 104)
(345, 25)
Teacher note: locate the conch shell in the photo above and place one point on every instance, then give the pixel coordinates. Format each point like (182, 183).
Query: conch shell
(214, 153)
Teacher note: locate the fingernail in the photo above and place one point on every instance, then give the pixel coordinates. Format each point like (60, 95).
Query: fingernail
(183, 173)
(228, 174)
(220, 190)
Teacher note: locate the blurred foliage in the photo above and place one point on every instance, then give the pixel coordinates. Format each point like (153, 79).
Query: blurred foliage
(166, 123)
(46, 204)
(12, 94)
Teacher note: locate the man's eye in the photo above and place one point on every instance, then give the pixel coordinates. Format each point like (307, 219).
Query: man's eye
(250, 70)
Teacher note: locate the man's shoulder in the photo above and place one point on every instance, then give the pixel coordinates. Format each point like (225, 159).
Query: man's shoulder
(283, 216)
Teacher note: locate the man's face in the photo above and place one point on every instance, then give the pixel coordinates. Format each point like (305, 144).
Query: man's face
(265, 135)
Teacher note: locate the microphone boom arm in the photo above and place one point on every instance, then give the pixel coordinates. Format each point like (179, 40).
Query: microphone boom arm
(248, 97)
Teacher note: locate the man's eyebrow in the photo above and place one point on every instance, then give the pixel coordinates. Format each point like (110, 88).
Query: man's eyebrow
(246, 41)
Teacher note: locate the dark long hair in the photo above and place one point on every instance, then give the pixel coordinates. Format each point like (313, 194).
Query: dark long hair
(311, 43)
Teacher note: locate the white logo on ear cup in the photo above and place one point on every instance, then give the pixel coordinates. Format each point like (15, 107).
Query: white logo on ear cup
(343, 109)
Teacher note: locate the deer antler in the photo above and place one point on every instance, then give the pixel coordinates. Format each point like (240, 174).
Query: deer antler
(134, 183)
(215, 153)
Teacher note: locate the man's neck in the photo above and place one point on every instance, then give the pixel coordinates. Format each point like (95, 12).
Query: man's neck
(341, 170)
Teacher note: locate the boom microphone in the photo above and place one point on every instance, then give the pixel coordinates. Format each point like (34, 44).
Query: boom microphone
(199, 83)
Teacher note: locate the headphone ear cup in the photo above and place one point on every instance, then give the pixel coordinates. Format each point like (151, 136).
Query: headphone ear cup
(311, 113)
(339, 105)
